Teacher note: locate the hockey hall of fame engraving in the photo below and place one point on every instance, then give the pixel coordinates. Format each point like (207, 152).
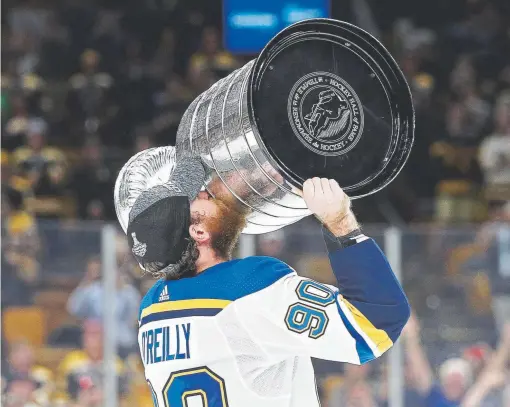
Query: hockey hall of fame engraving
(325, 113)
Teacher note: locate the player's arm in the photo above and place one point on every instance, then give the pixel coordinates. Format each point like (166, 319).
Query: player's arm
(355, 322)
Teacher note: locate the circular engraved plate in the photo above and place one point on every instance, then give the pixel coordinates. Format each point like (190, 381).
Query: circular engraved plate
(325, 113)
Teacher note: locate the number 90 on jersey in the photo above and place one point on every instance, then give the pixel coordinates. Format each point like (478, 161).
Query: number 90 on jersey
(309, 315)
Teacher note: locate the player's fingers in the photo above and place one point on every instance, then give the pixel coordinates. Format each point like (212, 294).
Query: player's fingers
(309, 189)
(339, 194)
(317, 185)
(326, 189)
(335, 188)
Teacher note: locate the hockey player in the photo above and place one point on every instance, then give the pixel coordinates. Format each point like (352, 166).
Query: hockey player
(217, 332)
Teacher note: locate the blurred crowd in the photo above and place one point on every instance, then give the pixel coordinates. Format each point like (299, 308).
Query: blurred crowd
(478, 376)
(85, 87)
(87, 84)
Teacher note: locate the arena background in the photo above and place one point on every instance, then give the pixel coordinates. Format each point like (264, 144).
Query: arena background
(86, 84)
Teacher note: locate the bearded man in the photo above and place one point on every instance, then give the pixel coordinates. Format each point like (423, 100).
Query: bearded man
(217, 332)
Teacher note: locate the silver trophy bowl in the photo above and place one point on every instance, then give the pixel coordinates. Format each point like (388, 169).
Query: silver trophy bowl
(143, 171)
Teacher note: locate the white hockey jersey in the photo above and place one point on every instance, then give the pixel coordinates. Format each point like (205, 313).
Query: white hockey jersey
(241, 333)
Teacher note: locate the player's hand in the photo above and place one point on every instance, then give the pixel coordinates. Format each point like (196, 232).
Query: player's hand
(325, 199)
(329, 203)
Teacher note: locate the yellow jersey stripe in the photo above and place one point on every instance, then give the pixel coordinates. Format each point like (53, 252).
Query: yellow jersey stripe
(184, 304)
(378, 336)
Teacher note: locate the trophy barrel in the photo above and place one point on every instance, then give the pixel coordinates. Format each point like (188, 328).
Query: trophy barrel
(212, 128)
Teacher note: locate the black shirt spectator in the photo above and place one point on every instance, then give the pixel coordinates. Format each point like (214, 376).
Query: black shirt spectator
(93, 183)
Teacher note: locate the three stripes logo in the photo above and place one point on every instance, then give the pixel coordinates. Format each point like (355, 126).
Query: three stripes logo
(164, 295)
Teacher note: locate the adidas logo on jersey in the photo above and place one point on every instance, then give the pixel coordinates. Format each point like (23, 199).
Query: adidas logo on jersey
(164, 295)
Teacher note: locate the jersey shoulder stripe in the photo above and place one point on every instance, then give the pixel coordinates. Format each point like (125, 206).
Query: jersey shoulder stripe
(212, 290)
(182, 308)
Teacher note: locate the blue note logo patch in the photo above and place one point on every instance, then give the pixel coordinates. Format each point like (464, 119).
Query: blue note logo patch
(325, 113)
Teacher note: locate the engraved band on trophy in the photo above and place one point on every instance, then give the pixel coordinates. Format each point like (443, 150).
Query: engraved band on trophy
(324, 98)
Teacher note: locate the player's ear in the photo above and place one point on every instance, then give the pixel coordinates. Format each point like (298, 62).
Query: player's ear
(199, 234)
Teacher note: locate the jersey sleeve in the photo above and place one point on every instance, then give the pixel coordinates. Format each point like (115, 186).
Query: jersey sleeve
(355, 323)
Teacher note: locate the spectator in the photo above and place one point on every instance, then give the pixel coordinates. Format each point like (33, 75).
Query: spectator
(355, 390)
(170, 102)
(495, 152)
(20, 392)
(466, 119)
(458, 385)
(490, 387)
(477, 355)
(81, 371)
(46, 169)
(210, 63)
(162, 62)
(109, 39)
(20, 277)
(140, 394)
(486, 248)
(411, 397)
(86, 302)
(93, 183)
(89, 394)
(15, 189)
(455, 375)
(460, 177)
(138, 85)
(56, 46)
(20, 243)
(26, 377)
(90, 94)
(16, 126)
(28, 19)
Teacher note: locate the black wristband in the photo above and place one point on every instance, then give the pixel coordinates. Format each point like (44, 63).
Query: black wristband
(341, 242)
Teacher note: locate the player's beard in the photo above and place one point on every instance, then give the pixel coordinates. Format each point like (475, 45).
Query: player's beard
(226, 226)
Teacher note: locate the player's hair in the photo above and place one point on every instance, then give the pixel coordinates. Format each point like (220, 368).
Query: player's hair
(185, 267)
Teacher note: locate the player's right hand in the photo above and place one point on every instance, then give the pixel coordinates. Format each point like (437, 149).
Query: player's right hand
(326, 200)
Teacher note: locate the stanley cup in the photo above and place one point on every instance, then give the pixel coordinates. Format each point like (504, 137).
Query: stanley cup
(324, 98)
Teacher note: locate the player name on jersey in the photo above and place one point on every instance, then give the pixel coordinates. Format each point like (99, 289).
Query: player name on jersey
(166, 343)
